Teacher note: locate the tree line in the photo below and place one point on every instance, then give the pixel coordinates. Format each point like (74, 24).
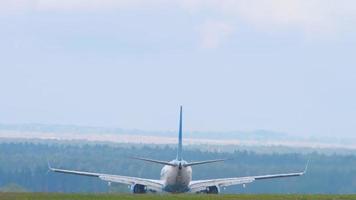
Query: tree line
(24, 165)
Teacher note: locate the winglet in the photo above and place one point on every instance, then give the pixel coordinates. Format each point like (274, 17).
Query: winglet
(49, 165)
(306, 167)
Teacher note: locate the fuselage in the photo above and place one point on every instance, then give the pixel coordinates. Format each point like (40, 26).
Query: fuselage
(176, 178)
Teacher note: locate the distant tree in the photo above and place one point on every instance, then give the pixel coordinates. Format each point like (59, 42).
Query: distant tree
(25, 165)
(13, 187)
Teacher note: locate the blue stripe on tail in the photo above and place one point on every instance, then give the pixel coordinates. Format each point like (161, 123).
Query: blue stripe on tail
(179, 151)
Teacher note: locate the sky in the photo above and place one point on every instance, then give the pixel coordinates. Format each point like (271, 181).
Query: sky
(244, 65)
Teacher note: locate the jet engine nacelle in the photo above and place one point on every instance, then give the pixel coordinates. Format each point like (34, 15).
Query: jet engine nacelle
(139, 189)
(213, 190)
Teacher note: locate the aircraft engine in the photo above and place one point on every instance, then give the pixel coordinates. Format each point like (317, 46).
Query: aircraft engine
(139, 189)
(213, 190)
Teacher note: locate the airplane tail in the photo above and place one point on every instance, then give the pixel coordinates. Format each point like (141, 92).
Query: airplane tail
(154, 161)
(180, 147)
(204, 162)
(179, 150)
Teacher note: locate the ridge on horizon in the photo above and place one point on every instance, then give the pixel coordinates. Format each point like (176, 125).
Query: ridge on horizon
(89, 129)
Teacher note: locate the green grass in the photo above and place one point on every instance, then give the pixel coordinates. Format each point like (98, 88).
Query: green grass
(58, 196)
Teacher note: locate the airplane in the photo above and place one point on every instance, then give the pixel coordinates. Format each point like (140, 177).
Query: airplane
(176, 175)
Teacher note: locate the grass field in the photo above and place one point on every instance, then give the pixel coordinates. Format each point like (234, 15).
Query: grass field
(56, 196)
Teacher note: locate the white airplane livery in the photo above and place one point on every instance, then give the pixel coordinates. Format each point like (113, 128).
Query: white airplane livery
(176, 176)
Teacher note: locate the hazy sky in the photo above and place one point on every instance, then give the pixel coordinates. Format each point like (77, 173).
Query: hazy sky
(279, 65)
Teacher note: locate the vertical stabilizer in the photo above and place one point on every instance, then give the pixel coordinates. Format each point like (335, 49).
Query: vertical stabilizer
(179, 150)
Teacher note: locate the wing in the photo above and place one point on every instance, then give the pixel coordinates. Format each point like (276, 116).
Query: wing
(196, 186)
(152, 184)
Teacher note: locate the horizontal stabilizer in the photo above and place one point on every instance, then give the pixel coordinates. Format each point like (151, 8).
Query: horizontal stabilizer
(154, 161)
(203, 162)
